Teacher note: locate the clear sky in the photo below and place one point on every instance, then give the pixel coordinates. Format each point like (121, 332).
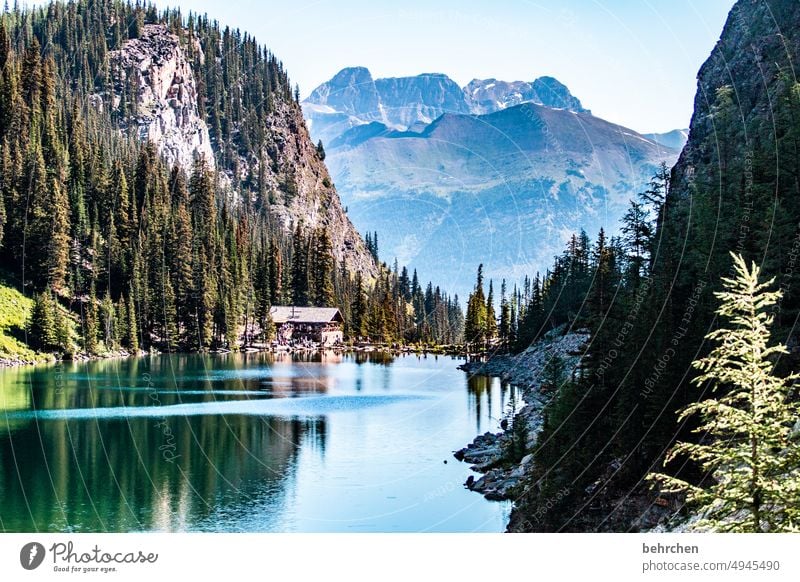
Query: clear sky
(633, 62)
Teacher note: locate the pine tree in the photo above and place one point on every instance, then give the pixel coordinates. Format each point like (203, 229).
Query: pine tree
(132, 327)
(475, 324)
(108, 322)
(90, 326)
(41, 329)
(121, 322)
(359, 309)
(324, 267)
(300, 268)
(553, 374)
(276, 275)
(750, 449)
(491, 317)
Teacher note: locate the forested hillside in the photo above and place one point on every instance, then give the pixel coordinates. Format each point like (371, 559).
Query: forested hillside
(114, 205)
(647, 297)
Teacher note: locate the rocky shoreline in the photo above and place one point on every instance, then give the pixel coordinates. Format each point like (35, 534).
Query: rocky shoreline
(489, 453)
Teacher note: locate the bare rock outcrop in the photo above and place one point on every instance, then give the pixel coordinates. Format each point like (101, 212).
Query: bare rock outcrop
(155, 93)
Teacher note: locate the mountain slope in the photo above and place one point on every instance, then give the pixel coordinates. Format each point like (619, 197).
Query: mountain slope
(734, 189)
(674, 139)
(154, 75)
(505, 189)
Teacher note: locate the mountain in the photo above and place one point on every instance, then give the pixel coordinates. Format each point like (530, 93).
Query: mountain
(409, 100)
(674, 139)
(505, 188)
(164, 109)
(352, 97)
(490, 95)
(442, 171)
(165, 104)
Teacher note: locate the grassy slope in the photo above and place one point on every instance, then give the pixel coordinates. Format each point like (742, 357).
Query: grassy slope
(15, 309)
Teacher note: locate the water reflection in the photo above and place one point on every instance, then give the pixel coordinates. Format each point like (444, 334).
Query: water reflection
(110, 476)
(491, 399)
(243, 442)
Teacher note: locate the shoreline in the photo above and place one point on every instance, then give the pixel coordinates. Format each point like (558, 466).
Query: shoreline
(395, 350)
(493, 454)
(501, 477)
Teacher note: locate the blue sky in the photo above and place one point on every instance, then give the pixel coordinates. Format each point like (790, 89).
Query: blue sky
(633, 62)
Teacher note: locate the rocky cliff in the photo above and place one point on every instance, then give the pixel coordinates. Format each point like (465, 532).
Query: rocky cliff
(303, 191)
(352, 97)
(155, 94)
(744, 89)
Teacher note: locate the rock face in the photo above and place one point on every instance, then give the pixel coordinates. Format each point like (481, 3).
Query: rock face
(162, 106)
(497, 172)
(351, 91)
(155, 96)
(407, 101)
(490, 95)
(756, 58)
(352, 97)
(674, 139)
(314, 201)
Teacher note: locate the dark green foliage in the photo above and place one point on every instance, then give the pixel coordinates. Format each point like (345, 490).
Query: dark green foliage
(46, 326)
(476, 324)
(649, 307)
(371, 241)
(553, 374)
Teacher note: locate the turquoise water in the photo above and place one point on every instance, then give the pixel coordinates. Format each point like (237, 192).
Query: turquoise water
(244, 442)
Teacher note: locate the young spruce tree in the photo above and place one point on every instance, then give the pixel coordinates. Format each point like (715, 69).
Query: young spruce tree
(750, 448)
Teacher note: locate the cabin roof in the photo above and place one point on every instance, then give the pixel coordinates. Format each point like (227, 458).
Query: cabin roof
(289, 314)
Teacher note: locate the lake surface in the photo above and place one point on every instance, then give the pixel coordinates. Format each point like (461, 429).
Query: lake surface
(245, 442)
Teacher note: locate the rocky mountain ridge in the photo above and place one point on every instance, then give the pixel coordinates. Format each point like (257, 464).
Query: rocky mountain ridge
(353, 97)
(490, 95)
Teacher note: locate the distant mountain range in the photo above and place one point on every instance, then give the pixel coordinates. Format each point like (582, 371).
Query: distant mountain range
(352, 97)
(495, 172)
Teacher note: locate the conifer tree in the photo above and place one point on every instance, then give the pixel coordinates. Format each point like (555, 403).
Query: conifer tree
(132, 327)
(491, 317)
(750, 451)
(276, 275)
(475, 325)
(108, 322)
(323, 270)
(90, 326)
(41, 329)
(300, 268)
(359, 309)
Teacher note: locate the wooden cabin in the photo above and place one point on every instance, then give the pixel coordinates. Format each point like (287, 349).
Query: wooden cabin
(299, 325)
